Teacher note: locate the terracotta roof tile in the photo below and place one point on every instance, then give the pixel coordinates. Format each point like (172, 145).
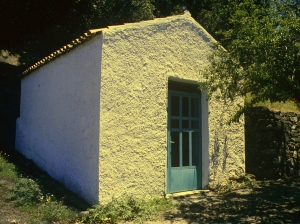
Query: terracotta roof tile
(82, 39)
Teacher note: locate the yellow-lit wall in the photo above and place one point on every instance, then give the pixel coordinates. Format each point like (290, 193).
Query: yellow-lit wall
(137, 61)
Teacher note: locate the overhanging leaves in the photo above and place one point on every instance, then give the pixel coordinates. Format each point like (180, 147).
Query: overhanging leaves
(262, 54)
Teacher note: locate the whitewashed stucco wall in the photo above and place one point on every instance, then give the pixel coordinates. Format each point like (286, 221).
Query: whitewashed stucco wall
(58, 127)
(138, 61)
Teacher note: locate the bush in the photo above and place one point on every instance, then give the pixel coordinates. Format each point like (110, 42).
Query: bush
(25, 192)
(56, 212)
(127, 208)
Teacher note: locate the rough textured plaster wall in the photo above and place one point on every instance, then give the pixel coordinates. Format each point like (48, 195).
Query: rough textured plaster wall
(138, 59)
(58, 127)
(227, 144)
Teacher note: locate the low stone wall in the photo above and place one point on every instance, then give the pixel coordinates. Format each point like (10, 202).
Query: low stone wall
(272, 143)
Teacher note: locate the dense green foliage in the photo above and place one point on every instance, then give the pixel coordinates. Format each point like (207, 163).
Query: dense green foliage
(262, 55)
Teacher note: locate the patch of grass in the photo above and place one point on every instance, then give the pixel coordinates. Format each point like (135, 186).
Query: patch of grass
(25, 192)
(44, 200)
(24, 168)
(54, 212)
(288, 106)
(7, 169)
(35, 193)
(127, 208)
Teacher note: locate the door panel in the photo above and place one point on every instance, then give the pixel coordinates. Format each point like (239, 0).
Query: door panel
(195, 149)
(188, 180)
(185, 149)
(175, 161)
(184, 142)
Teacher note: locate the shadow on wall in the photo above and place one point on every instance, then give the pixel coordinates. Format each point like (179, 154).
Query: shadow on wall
(9, 104)
(220, 154)
(272, 143)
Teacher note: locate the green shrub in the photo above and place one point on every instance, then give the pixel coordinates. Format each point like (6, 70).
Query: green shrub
(25, 192)
(7, 169)
(56, 212)
(127, 208)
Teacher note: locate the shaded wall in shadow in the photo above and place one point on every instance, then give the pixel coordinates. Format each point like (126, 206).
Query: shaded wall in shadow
(272, 143)
(9, 104)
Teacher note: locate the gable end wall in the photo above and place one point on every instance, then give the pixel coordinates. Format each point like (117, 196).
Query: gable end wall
(138, 60)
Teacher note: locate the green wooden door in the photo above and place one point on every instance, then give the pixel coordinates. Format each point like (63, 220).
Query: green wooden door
(184, 141)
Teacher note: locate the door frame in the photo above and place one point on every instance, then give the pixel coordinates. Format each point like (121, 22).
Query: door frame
(199, 167)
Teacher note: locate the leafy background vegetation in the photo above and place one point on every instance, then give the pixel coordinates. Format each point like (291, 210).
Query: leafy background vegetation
(262, 55)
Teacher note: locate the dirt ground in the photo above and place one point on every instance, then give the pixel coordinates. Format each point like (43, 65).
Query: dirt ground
(274, 202)
(8, 212)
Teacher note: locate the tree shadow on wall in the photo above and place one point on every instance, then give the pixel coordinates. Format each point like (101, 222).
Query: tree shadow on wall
(219, 155)
(272, 202)
(220, 152)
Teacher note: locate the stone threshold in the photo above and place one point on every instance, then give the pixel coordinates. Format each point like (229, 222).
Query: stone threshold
(186, 193)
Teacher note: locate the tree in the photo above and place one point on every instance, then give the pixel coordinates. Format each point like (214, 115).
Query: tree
(34, 29)
(262, 55)
(213, 15)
